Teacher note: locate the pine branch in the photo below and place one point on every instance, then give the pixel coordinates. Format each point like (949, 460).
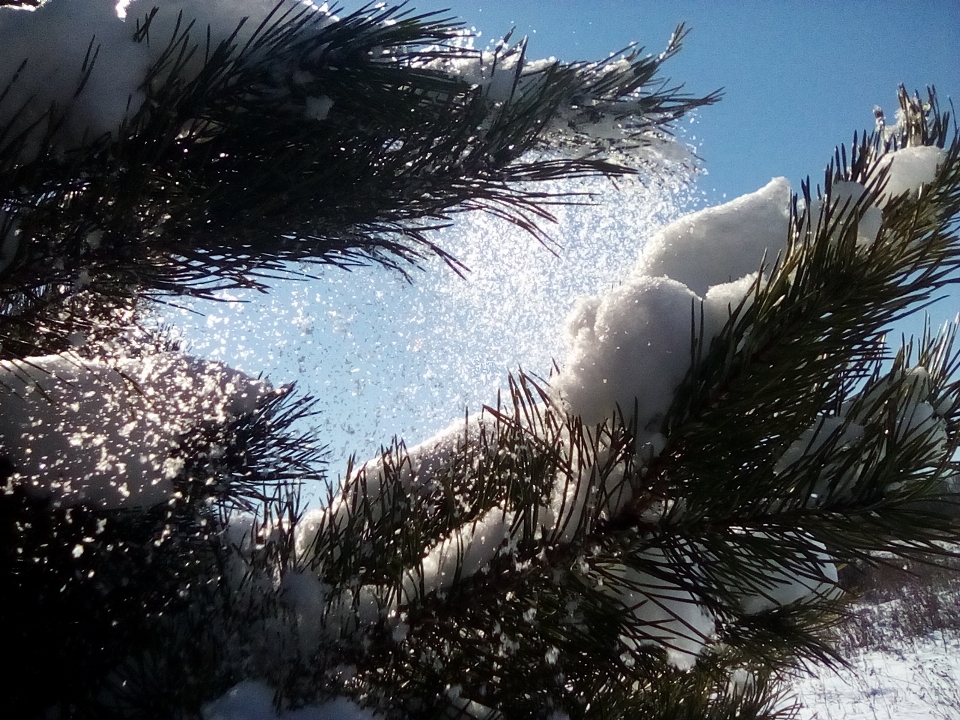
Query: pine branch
(813, 328)
(795, 443)
(233, 165)
(133, 612)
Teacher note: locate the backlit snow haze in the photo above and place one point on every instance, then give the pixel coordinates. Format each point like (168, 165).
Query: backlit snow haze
(387, 357)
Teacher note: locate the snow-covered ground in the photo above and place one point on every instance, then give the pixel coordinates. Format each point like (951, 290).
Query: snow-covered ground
(916, 680)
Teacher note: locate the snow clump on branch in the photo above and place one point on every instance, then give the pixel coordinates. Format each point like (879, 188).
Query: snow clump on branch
(599, 114)
(906, 171)
(53, 429)
(910, 168)
(94, 79)
(633, 344)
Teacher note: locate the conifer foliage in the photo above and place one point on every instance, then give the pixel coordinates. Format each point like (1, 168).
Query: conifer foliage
(653, 532)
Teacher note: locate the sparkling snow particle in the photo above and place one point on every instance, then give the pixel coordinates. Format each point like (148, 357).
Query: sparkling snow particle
(172, 467)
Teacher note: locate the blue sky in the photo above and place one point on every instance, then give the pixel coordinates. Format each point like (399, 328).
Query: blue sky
(388, 358)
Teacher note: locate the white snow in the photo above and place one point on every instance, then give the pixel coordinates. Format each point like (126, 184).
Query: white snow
(55, 39)
(253, 700)
(919, 414)
(464, 554)
(664, 614)
(723, 299)
(722, 243)
(498, 72)
(848, 200)
(633, 344)
(417, 475)
(835, 427)
(318, 107)
(505, 74)
(52, 426)
(910, 168)
(808, 578)
(305, 595)
(915, 680)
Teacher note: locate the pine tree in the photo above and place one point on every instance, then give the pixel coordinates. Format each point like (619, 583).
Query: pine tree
(669, 550)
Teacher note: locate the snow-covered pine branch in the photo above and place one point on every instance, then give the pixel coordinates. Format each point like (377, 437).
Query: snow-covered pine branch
(655, 532)
(119, 476)
(207, 150)
(722, 434)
